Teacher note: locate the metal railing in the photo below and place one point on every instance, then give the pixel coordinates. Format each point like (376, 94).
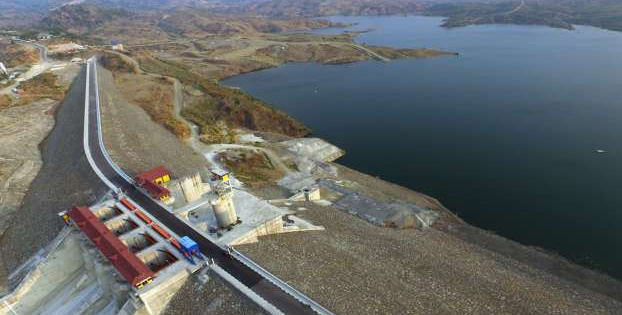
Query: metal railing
(245, 290)
(301, 297)
(100, 131)
(85, 140)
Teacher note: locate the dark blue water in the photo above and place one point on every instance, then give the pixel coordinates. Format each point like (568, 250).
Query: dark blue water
(505, 134)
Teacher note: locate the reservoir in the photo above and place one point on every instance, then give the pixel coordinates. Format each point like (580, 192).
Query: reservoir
(507, 135)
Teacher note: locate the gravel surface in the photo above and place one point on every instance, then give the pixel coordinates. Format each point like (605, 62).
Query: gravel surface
(539, 259)
(136, 142)
(65, 179)
(23, 128)
(450, 223)
(214, 297)
(357, 268)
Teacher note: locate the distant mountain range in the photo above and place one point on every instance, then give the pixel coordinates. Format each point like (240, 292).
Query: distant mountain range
(98, 24)
(81, 18)
(139, 5)
(25, 12)
(555, 13)
(313, 6)
(46, 5)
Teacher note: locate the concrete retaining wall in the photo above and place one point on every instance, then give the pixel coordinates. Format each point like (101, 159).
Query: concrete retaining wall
(68, 277)
(156, 298)
(273, 226)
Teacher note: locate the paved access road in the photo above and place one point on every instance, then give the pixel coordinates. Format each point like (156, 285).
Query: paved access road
(271, 293)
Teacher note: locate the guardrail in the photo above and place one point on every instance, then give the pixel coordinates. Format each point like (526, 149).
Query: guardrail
(100, 133)
(301, 297)
(246, 291)
(85, 139)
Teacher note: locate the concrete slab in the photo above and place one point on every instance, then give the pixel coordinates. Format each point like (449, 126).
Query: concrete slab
(195, 204)
(394, 214)
(62, 283)
(258, 217)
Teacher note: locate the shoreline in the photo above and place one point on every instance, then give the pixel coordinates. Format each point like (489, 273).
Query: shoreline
(484, 238)
(552, 258)
(602, 269)
(548, 252)
(355, 265)
(598, 272)
(593, 287)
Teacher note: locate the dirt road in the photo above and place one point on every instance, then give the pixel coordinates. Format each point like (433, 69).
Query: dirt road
(36, 69)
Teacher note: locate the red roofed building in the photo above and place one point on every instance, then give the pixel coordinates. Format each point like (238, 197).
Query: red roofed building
(128, 265)
(152, 180)
(156, 191)
(157, 175)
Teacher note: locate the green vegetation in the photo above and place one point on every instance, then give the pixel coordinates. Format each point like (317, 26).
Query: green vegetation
(28, 34)
(117, 64)
(83, 18)
(157, 100)
(167, 68)
(5, 101)
(252, 168)
(211, 130)
(224, 108)
(154, 94)
(303, 37)
(42, 86)
(283, 9)
(392, 53)
(15, 55)
(562, 13)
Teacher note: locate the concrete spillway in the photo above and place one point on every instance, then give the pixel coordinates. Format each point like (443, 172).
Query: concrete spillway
(107, 213)
(139, 242)
(158, 260)
(121, 226)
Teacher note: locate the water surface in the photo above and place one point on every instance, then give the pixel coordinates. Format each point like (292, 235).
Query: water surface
(505, 134)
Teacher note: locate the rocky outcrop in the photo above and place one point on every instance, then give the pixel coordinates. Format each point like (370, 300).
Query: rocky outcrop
(409, 216)
(314, 148)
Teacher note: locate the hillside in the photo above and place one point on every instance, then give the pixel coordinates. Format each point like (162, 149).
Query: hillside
(81, 19)
(222, 109)
(199, 48)
(314, 8)
(100, 24)
(555, 13)
(199, 23)
(15, 55)
(139, 5)
(30, 5)
(605, 14)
